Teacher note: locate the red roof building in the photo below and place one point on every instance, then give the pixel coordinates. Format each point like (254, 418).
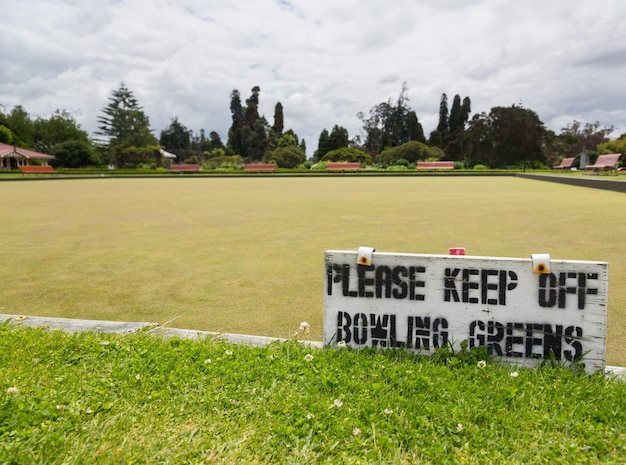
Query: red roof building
(11, 157)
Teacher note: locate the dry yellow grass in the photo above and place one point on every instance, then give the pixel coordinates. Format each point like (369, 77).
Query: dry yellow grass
(246, 254)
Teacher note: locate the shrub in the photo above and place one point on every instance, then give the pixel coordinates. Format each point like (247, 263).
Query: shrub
(285, 157)
(411, 152)
(348, 155)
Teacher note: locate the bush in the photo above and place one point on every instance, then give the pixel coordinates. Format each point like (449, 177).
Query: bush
(347, 154)
(286, 157)
(411, 152)
(233, 162)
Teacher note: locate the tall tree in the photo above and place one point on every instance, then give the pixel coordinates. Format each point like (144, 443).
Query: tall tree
(73, 154)
(338, 138)
(323, 145)
(21, 125)
(466, 110)
(176, 138)
(387, 124)
(124, 122)
(279, 123)
(61, 127)
(588, 136)
(248, 135)
(456, 116)
(416, 132)
(453, 139)
(508, 136)
(396, 120)
(443, 125)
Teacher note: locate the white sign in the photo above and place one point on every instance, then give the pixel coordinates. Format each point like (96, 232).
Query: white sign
(522, 311)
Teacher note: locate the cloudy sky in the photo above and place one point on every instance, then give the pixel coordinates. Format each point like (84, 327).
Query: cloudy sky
(324, 60)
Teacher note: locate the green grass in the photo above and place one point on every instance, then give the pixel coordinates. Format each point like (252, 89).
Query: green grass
(135, 398)
(245, 255)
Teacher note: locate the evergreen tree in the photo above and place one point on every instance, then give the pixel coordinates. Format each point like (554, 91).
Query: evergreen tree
(176, 138)
(416, 132)
(248, 135)
(323, 145)
(124, 123)
(443, 125)
(456, 116)
(466, 110)
(278, 120)
(338, 138)
(254, 98)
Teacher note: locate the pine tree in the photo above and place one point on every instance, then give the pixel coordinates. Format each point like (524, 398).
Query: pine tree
(124, 122)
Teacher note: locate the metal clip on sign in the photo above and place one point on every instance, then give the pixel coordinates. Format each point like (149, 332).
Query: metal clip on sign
(364, 256)
(541, 263)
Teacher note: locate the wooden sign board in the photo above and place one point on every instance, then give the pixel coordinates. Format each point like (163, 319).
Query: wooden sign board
(523, 313)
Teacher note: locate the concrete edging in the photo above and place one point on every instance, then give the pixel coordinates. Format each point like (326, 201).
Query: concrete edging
(120, 327)
(615, 185)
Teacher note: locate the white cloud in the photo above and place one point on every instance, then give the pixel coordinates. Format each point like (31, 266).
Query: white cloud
(324, 60)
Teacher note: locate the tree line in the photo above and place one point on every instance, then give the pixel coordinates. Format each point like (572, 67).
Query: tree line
(390, 135)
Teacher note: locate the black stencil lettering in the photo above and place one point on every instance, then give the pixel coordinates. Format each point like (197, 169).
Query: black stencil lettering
(439, 325)
(592, 291)
(573, 334)
(383, 282)
(450, 291)
(476, 336)
(343, 275)
(400, 290)
(469, 285)
(359, 328)
(547, 291)
(364, 281)
(379, 329)
(329, 280)
(552, 341)
(343, 327)
(512, 281)
(532, 341)
(512, 340)
(415, 283)
(564, 289)
(421, 332)
(486, 286)
(495, 334)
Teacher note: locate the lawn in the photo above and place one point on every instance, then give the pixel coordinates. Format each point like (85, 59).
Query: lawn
(245, 255)
(89, 398)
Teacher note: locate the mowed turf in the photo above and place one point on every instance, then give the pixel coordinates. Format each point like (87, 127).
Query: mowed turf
(245, 255)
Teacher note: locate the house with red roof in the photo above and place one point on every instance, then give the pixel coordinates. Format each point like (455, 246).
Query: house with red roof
(12, 157)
